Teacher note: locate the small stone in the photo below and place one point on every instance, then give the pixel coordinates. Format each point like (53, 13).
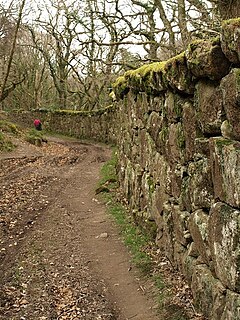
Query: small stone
(103, 235)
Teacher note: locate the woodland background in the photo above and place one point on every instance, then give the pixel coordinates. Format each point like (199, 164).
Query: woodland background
(61, 54)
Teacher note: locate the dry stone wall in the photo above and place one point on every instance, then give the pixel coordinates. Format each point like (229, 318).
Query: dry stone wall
(97, 125)
(176, 124)
(179, 163)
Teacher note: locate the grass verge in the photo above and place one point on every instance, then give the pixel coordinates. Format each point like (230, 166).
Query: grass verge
(139, 243)
(133, 237)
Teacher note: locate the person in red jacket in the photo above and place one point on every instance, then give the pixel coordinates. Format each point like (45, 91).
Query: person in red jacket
(37, 124)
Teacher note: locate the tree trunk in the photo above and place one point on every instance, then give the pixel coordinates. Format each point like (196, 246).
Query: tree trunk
(183, 22)
(4, 92)
(167, 25)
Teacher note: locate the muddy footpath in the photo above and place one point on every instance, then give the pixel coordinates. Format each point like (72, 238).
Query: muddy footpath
(61, 255)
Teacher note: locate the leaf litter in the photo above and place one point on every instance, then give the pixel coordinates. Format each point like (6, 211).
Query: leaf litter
(31, 288)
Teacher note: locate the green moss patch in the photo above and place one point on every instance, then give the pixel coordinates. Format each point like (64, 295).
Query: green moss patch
(155, 77)
(179, 59)
(221, 143)
(7, 131)
(233, 22)
(5, 143)
(145, 70)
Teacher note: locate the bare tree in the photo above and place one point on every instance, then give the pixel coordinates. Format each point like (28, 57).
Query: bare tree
(182, 22)
(5, 90)
(60, 30)
(80, 47)
(36, 90)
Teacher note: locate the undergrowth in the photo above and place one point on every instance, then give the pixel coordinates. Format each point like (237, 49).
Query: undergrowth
(5, 144)
(7, 129)
(35, 137)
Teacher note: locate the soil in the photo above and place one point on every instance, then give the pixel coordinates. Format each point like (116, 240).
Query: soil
(61, 256)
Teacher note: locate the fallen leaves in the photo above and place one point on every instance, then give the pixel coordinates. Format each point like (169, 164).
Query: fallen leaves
(36, 289)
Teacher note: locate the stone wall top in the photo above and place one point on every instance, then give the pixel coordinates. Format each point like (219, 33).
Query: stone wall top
(203, 59)
(179, 163)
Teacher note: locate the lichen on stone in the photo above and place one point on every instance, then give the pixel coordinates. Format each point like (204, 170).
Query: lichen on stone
(230, 39)
(205, 59)
(181, 138)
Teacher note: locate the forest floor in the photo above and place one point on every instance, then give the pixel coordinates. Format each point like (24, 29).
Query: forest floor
(61, 254)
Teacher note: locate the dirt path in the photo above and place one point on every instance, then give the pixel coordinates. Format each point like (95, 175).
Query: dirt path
(61, 255)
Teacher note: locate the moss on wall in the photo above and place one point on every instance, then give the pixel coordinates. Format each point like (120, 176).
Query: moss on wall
(195, 172)
(100, 125)
(233, 22)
